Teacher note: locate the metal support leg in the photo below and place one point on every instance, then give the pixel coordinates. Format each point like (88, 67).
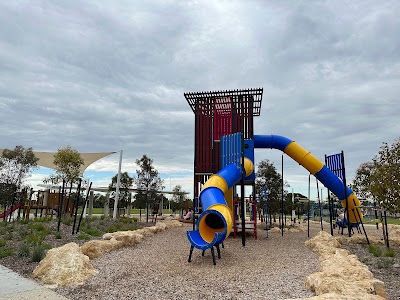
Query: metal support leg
(213, 255)
(218, 252)
(190, 253)
(202, 253)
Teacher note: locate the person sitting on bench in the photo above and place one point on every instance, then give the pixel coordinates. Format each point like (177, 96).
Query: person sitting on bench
(341, 220)
(188, 215)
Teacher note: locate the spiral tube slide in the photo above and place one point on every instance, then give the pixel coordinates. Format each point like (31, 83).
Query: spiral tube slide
(315, 167)
(215, 222)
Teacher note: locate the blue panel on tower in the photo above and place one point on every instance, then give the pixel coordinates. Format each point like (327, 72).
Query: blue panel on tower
(231, 151)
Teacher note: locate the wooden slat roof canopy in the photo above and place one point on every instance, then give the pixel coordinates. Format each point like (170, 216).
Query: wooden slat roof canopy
(208, 97)
(46, 159)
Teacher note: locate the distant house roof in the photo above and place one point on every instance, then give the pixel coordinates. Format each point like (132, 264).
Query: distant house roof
(46, 159)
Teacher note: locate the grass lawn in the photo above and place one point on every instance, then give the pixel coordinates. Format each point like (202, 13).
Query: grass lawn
(390, 220)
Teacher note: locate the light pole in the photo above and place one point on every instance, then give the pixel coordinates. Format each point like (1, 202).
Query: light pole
(117, 187)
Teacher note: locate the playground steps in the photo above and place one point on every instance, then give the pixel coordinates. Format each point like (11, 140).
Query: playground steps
(250, 225)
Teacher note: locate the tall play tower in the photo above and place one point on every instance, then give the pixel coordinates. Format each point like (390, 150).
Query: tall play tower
(219, 113)
(224, 159)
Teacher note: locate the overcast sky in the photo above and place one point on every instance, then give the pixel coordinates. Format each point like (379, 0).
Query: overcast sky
(110, 75)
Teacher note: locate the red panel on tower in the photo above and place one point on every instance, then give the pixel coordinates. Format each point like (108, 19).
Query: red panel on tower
(222, 117)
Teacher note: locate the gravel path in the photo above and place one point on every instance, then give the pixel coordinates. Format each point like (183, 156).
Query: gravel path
(273, 268)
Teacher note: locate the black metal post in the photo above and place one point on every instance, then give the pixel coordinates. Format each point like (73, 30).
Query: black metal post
(76, 204)
(218, 252)
(376, 215)
(147, 209)
(282, 198)
(308, 206)
(213, 255)
(242, 202)
(362, 224)
(69, 197)
(345, 195)
(190, 253)
(319, 204)
(83, 207)
(386, 227)
(60, 205)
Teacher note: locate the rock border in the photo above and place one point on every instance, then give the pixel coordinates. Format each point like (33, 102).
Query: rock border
(70, 264)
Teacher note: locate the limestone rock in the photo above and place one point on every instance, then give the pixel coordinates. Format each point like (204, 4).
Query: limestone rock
(335, 296)
(96, 248)
(173, 224)
(116, 240)
(342, 274)
(64, 265)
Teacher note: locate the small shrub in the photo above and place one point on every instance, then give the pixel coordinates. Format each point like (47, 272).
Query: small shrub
(125, 220)
(3, 230)
(92, 232)
(8, 236)
(384, 263)
(83, 237)
(3, 242)
(374, 250)
(37, 227)
(68, 221)
(5, 251)
(114, 228)
(390, 253)
(365, 260)
(36, 237)
(86, 223)
(47, 246)
(42, 220)
(38, 253)
(24, 250)
(23, 231)
(24, 221)
(9, 229)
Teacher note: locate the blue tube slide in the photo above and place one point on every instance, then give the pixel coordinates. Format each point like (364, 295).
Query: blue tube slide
(215, 222)
(314, 166)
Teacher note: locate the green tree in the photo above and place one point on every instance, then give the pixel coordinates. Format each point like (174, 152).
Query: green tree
(99, 200)
(268, 177)
(361, 184)
(148, 181)
(126, 183)
(385, 183)
(178, 199)
(298, 205)
(15, 166)
(379, 180)
(68, 162)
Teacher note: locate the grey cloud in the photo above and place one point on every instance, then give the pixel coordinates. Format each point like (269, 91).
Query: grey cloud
(108, 76)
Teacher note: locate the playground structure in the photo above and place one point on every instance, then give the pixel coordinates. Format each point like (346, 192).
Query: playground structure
(224, 158)
(46, 203)
(61, 203)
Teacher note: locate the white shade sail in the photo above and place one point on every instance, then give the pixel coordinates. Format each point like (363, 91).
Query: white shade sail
(46, 159)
